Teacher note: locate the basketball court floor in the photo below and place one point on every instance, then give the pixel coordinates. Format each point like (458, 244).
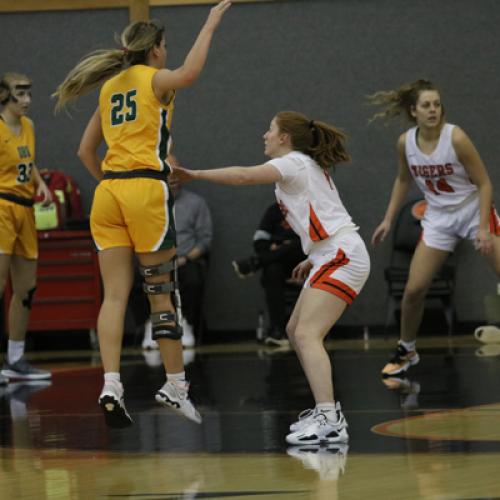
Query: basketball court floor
(434, 434)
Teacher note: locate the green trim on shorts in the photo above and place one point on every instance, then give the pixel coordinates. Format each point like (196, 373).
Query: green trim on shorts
(170, 239)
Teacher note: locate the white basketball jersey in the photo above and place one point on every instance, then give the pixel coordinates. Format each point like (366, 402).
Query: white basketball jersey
(309, 200)
(440, 176)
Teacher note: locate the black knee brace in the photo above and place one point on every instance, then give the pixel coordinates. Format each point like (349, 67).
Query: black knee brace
(158, 320)
(162, 330)
(28, 300)
(158, 270)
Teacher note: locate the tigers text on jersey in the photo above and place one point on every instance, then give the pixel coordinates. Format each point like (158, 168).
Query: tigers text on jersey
(136, 126)
(17, 158)
(440, 176)
(309, 200)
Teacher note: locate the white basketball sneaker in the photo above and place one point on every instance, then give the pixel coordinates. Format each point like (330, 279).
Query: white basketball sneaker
(175, 395)
(307, 416)
(321, 430)
(112, 405)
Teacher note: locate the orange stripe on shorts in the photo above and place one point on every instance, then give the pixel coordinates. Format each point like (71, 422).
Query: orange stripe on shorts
(338, 288)
(494, 226)
(339, 261)
(323, 281)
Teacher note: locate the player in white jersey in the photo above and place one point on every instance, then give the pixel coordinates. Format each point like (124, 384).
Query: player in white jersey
(338, 264)
(447, 168)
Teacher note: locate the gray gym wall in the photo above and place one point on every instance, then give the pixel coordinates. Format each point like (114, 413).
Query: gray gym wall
(318, 57)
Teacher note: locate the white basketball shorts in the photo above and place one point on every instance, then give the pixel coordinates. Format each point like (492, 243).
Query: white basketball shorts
(341, 266)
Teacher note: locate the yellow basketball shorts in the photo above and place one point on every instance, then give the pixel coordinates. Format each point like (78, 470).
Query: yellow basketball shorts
(136, 213)
(17, 230)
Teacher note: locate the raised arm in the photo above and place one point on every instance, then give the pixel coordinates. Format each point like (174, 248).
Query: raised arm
(399, 193)
(470, 159)
(184, 76)
(236, 176)
(91, 139)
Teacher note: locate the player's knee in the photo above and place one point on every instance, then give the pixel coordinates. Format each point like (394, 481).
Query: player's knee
(290, 331)
(161, 286)
(160, 302)
(26, 297)
(302, 338)
(414, 294)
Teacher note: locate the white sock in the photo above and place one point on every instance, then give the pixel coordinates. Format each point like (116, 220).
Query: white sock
(112, 377)
(327, 409)
(15, 350)
(178, 378)
(409, 346)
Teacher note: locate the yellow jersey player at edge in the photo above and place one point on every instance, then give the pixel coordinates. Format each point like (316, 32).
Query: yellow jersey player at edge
(132, 207)
(20, 181)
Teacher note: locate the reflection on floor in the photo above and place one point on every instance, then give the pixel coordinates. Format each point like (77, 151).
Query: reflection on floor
(433, 433)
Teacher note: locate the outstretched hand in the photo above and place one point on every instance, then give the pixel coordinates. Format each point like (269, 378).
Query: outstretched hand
(182, 175)
(216, 14)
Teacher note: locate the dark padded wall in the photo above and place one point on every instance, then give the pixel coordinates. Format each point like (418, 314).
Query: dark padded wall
(318, 57)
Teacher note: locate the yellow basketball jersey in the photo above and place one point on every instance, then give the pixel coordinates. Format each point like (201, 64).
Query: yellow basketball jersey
(17, 158)
(136, 126)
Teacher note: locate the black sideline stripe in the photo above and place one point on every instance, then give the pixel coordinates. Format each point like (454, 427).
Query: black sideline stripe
(215, 494)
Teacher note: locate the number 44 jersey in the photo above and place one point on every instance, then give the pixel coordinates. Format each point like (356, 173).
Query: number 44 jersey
(17, 157)
(440, 176)
(135, 124)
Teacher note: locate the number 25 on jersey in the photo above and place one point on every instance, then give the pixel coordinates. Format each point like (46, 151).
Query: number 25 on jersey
(123, 107)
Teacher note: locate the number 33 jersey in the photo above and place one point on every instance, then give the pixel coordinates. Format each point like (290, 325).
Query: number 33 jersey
(17, 158)
(135, 124)
(440, 176)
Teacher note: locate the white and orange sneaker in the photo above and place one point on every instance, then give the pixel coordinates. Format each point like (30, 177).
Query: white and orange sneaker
(401, 361)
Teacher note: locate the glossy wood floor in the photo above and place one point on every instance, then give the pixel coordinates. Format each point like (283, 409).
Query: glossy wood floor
(434, 434)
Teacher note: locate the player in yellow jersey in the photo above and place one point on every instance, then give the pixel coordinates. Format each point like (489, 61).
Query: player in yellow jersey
(19, 182)
(132, 208)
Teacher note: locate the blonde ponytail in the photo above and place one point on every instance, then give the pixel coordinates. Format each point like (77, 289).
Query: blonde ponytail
(137, 40)
(88, 74)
